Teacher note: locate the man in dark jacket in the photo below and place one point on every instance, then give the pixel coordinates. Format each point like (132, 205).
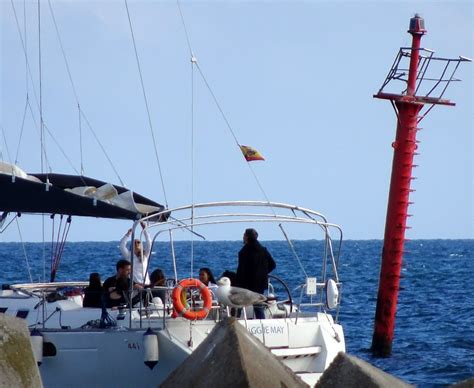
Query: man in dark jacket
(255, 263)
(116, 287)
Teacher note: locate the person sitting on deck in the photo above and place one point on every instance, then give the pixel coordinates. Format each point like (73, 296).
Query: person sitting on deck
(206, 277)
(93, 293)
(158, 279)
(115, 286)
(140, 256)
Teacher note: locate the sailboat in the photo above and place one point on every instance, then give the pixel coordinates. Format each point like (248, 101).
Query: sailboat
(111, 347)
(142, 341)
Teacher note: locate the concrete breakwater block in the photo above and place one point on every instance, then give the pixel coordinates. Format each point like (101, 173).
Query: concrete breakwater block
(17, 364)
(231, 357)
(351, 372)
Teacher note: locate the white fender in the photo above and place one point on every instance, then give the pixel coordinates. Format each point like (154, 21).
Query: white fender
(332, 294)
(36, 339)
(150, 348)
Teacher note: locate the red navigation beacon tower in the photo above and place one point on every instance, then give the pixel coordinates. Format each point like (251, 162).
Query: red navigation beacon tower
(420, 91)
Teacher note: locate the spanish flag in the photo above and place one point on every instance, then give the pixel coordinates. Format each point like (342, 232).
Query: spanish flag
(250, 154)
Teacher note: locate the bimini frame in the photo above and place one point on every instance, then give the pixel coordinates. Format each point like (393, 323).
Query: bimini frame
(217, 213)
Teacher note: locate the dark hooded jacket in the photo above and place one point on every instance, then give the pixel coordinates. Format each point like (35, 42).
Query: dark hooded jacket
(255, 263)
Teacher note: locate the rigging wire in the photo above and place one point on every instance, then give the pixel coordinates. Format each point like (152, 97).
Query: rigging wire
(53, 253)
(7, 150)
(40, 86)
(63, 52)
(26, 80)
(185, 30)
(192, 167)
(21, 129)
(82, 114)
(23, 45)
(196, 64)
(68, 69)
(3, 219)
(194, 61)
(41, 137)
(37, 129)
(146, 103)
(16, 217)
(101, 146)
(293, 250)
(57, 253)
(234, 136)
(27, 68)
(6, 145)
(62, 151)
(24, 251)
(26, 47)
(80, 138)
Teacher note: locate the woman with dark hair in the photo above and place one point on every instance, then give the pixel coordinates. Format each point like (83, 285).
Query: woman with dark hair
(206, 277)
(158, 279)
(255, 263)
(93, 293)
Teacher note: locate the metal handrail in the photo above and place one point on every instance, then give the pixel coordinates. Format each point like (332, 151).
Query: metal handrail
(236, 204)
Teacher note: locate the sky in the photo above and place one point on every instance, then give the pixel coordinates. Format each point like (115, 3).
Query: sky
(295, 80)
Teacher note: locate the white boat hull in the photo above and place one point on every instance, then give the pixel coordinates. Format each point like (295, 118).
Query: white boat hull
(115, 358)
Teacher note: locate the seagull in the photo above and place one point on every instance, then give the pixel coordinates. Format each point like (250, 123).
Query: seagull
(236, 296)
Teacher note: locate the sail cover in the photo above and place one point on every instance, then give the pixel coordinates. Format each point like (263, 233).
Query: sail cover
(70, 195)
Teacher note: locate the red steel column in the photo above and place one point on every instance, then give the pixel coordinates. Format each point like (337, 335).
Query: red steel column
(398, 201)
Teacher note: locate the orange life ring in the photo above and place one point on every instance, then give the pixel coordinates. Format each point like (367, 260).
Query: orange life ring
(180, 306)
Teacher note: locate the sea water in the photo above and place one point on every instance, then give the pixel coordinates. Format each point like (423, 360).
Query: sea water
(434, 334)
